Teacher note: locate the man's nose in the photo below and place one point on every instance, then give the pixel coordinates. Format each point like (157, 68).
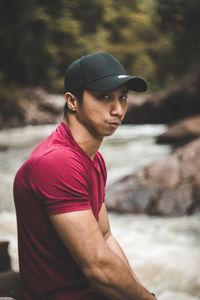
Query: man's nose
(117, 108)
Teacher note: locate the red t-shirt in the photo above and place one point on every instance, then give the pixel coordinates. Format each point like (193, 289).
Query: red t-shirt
(57, 178)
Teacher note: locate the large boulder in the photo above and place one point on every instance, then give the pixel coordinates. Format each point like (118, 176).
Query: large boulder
(5, 263)
(37, 107)
(10, 285)
(40, 107)
(169, 187)
(166, 106)
(181, 132)
(9, 280)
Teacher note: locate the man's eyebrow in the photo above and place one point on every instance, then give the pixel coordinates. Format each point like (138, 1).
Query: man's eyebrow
(125, 91)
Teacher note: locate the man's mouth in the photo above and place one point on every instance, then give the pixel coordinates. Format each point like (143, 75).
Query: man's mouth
(114, 124)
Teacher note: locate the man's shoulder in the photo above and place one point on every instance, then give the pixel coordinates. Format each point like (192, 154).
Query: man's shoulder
(58, 156)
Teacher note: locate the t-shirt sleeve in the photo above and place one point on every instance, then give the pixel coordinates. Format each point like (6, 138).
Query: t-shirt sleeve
(61, 181)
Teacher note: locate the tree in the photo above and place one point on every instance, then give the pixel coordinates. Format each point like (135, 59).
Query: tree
(180, 21)
(33, 39)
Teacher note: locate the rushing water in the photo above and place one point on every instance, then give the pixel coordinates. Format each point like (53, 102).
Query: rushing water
(164, 252)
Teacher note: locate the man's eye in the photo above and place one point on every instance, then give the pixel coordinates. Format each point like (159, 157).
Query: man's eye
(105, 97)
(124, 97)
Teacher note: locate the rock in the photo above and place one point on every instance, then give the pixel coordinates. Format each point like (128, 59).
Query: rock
(167, 106)
(38, 107)
(181, 132)
(9, 280)
(168, 187)
(4, 257)
(10, 285)
(41, 107)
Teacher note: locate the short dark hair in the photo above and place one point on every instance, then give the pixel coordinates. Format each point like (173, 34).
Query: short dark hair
(78, 93)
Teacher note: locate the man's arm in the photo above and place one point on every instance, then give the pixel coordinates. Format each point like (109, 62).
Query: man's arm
(105, 270)
(110, 240)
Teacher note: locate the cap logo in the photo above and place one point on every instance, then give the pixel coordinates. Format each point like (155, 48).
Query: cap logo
(122, 76)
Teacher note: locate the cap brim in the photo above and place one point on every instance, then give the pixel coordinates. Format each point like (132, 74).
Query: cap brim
(113, 81)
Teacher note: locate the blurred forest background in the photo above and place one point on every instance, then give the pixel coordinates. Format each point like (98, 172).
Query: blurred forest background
(156, 39)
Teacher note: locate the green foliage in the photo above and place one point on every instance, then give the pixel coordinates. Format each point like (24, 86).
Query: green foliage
(179, 21)
(89, 13)
(9, 100)
(134, 38)
(155, 39)
(34, 40)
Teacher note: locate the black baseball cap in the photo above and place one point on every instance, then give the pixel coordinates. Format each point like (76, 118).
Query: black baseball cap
(100, 71)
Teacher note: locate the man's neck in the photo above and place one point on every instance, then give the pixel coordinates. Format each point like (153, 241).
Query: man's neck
(88, 143)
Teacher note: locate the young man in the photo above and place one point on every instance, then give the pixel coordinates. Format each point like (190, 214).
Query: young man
(66, 248)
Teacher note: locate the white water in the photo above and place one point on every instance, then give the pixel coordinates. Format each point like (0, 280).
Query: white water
(164, 252)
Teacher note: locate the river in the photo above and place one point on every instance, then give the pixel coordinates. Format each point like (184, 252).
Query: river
(164, 252)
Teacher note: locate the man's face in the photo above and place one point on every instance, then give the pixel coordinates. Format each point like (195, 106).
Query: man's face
(102, 112)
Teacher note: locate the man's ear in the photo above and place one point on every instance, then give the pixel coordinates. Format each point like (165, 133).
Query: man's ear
(72, 101)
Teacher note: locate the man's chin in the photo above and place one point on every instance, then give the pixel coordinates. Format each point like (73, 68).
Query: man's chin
(110, 132)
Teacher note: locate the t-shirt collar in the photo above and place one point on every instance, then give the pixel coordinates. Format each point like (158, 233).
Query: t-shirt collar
(65, 131)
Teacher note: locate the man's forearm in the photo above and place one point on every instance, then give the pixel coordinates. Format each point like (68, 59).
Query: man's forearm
(123, 283)
(115, 247)
(113, 278)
